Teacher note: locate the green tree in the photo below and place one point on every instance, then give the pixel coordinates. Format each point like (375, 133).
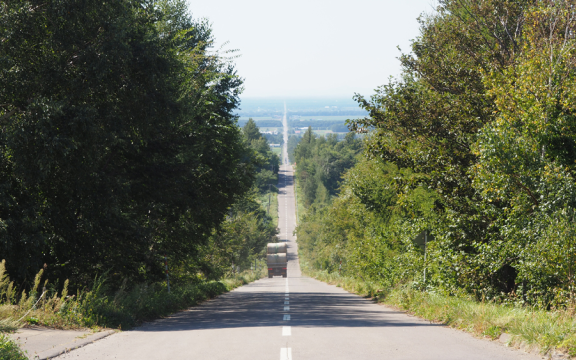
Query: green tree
(321, 162)
(527, 156)
(238, 241)
(428, 120)
(368, 227)
(475, 144)
(266, 162)
(293, 141)
(119, 142)
(251, 131)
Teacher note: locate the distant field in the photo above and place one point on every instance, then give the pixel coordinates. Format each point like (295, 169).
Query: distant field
(277, 150)
(262, 123)
(328, 118)
(323, 132)
(256, 118)
(279, 129)
(319, 132)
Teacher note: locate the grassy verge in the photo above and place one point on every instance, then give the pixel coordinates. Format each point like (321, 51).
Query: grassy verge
(274, 208)
(269, 200)
(300, 209)
(101, 307)
(244, 278)
(530, 329)
(148, 302)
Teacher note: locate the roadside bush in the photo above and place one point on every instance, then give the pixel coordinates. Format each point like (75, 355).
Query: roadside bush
(9, 350)
(528, 326)
(101, 306)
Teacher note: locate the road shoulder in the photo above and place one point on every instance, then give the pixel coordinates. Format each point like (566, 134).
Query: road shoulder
(44, 343)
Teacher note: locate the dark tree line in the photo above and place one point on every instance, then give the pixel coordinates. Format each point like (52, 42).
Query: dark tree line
(119, 144)
(321, 162)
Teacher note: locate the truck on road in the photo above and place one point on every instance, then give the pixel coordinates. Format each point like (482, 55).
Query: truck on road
(276, 259)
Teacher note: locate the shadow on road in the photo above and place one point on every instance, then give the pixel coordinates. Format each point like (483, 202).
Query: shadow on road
(262, 303)
(260, 308)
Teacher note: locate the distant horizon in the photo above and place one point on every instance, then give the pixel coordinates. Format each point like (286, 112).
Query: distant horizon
(257, 105)
(296, 97)
(305, 48)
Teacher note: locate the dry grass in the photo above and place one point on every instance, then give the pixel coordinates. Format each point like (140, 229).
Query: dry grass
(244, 278)
(529, 327)
(102, 307)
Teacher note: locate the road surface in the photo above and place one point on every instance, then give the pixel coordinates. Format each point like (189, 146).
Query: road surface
(293, 318)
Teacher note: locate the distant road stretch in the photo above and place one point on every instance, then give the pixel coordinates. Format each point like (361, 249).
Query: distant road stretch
(294, 318)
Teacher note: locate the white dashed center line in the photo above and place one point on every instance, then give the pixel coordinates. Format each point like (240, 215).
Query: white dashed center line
(286, 331)
(286, 308)
(286, 317)
(286, 354)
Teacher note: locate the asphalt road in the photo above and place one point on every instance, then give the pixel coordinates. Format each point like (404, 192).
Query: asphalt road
(294, 318)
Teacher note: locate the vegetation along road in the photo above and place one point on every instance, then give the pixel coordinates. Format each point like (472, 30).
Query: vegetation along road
(293, 318)
(136, 189)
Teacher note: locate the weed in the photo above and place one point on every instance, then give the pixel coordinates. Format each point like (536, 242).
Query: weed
(535, 327)
(32, 321)
(9, 350)
(8, 325)
(101, 307)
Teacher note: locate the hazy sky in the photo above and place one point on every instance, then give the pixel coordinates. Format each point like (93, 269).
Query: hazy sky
(319, 48)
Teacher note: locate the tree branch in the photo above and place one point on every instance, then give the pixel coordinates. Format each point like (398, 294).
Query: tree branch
(8, 116)
(526, 189)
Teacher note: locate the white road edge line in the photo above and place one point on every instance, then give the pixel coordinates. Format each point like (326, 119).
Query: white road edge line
(286, 331)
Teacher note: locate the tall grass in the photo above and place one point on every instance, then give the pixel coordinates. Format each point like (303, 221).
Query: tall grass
(546, 330)
(300, 208)
(244, 278)
(269, 201)
(529, 328)
(274, 208)
(101, 306)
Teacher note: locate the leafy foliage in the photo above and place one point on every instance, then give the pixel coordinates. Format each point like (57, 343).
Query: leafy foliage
(9, 350)
(266, 162)
(527, 158)
(101, 306)
(321, 162)
(367, 230)
(118, 140)
(474, 144)
(241, 238)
